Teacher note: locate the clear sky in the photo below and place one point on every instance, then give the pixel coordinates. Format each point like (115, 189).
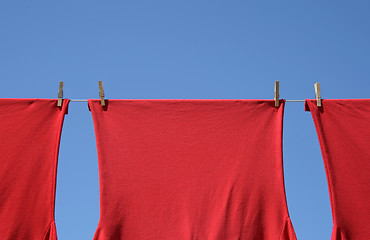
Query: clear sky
(186, 50)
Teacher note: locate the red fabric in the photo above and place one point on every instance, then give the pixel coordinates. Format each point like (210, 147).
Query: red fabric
(343, 127)
(191, 170)
(29, 141)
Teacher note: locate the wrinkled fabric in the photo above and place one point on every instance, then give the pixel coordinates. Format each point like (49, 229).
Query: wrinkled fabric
(29, 142)
(190, 170)
(343, 128)
(288, 231)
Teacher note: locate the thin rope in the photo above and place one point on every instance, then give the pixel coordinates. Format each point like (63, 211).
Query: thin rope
(85, 100)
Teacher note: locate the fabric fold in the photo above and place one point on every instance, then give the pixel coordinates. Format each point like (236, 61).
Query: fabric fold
(337, 234)
(51, 233)
(30, 132)
(190, 170)
(288, 232)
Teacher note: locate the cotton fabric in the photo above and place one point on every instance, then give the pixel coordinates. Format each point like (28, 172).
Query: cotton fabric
(29, 142)
(343, 128)
(190, 170)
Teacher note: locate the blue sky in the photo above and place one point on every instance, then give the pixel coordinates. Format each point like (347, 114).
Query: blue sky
(186, 50)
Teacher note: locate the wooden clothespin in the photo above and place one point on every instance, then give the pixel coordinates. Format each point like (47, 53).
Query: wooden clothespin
(318, 94)
(276, 98)
(101, 93)
(60, 94)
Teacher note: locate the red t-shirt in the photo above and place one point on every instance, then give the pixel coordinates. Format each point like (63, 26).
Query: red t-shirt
(343, 127)
(191, 170)
(29, 142)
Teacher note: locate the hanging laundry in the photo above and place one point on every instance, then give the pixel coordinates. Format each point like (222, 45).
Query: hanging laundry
(344, 134)
(29, 142)
(190, 170)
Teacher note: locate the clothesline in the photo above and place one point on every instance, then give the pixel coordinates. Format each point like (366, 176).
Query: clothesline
(85, 100)
(102, 99)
